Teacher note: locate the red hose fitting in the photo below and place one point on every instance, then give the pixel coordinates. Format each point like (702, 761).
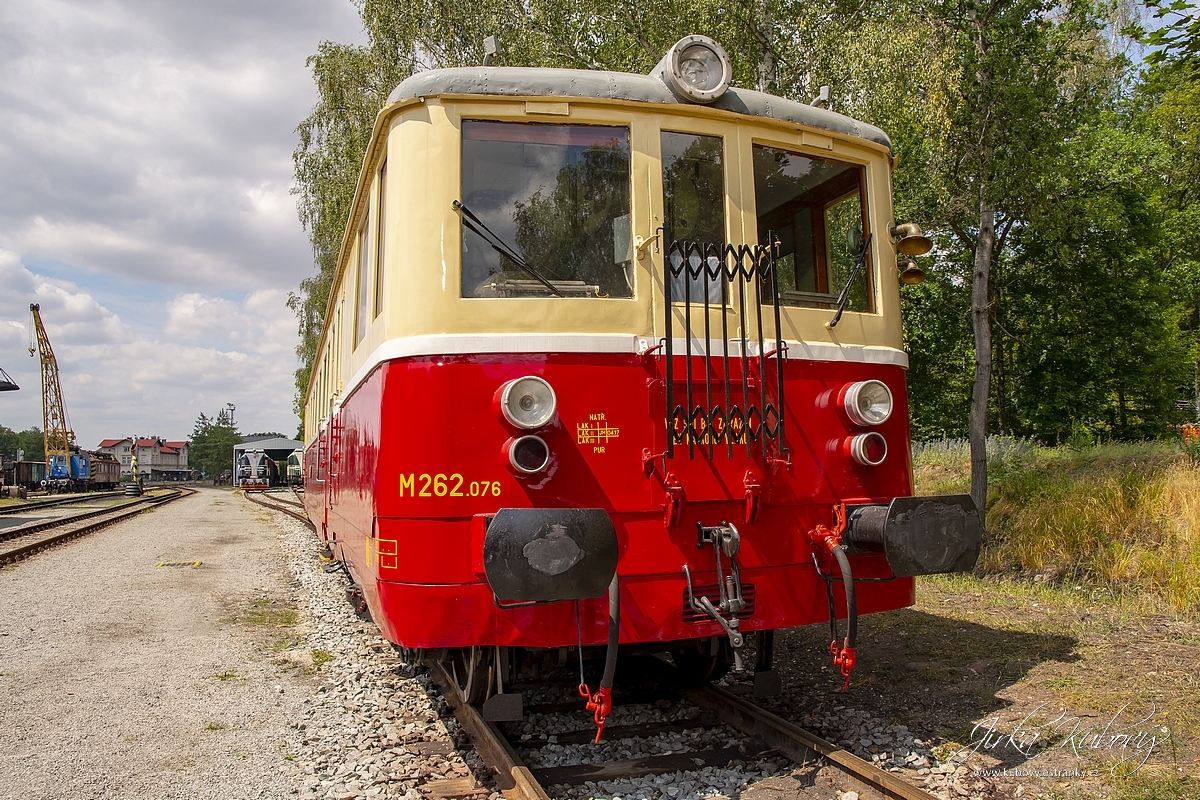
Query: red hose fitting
(830, 538)
(600, 703)
(843, 657)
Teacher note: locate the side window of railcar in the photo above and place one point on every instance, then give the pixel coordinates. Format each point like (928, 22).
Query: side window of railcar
(816, 207)
(558, 198)
(363, 286)
(694, 200)
(380, 239)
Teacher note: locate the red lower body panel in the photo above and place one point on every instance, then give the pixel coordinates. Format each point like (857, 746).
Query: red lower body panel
(406, 471)
(652, 609)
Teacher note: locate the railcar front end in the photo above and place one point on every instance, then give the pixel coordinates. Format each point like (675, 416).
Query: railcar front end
(595, 336)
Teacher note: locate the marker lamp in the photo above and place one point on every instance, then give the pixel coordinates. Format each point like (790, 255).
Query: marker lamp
(528, 454)
(868, 449)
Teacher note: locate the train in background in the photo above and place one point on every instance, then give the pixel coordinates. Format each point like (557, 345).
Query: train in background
(85, 470)
(255, 470)
(615, 361)
(295, 469)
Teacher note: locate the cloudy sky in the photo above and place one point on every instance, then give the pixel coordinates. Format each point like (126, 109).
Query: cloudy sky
(145, 169)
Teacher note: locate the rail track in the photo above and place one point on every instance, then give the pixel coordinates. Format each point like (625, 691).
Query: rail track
(762, 735)
(25, 508)
(293, 509)
(25, 540)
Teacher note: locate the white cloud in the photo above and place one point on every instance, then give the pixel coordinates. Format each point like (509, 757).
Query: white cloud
(145, 160)
(150, 139)
(116, 382)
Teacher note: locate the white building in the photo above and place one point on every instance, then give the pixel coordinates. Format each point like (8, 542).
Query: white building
(158, 459)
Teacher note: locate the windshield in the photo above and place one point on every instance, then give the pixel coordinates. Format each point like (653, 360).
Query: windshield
(815, 208)
(558, 198)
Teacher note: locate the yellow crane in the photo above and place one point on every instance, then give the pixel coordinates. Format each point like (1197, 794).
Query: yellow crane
(57, 435)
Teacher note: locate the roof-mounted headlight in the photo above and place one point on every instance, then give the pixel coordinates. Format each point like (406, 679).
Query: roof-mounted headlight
(696, 68)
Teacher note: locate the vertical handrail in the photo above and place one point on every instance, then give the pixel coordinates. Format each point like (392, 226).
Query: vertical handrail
(668, 270)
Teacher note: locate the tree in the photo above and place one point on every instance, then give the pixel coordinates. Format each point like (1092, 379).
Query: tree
(29, 440)
(1017, 97)
(212, 442)
(1177, 38)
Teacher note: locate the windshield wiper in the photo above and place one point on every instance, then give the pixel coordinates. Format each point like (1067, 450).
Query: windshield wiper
(844, 297)
(484, 232)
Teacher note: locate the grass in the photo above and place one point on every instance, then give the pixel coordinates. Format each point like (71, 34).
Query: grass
(264, 613)
(1114, 519)
(320, 658)
(214, 726)
(225, 676)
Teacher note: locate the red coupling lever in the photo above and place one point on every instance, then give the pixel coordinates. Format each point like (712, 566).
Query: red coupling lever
(843, 657)
(600, 703)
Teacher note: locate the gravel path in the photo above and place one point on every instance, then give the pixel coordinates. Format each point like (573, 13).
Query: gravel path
(123, 679)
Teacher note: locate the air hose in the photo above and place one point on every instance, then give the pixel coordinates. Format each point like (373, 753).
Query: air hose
(829, 540)
(844, 656)
(600, 703)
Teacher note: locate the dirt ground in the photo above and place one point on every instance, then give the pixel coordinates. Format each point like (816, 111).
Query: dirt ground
(1057, 686)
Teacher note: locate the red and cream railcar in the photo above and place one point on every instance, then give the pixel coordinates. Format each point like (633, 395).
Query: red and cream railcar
(603, 339)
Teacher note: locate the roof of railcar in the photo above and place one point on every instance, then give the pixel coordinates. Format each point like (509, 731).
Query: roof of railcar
(589, 84)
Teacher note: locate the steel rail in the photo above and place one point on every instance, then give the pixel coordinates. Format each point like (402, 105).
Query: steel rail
(18, 531)
(519, 783)
(62, 501)
(797, 743)
(256, 497)
(115, 515)
(512, 776)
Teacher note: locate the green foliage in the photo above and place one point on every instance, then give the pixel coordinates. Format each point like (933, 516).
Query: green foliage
(1026, 107)
(210, 448)
(29, 440)
(1119, 516)
(1176, 39)
(937, 335)
(1090, 326)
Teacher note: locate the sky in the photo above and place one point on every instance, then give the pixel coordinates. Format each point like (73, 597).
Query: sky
(145, 177)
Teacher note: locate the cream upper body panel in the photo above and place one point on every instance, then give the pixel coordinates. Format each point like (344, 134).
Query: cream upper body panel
(422, 309)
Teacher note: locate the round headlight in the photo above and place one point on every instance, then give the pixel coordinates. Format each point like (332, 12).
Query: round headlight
(868, 449)
(527, 402)
(868, 402)
(697, 68)
(528, 454)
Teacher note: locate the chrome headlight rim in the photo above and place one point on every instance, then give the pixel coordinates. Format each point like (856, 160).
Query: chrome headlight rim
(511, 448)
(857, 447)
(865, 418)
(673, 71)
(531, 423)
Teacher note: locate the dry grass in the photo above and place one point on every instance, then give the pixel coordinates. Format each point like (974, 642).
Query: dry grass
(1125, 518)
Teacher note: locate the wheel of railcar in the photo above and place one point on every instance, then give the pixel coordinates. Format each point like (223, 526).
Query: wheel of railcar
(470, 669)
(698, 665)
